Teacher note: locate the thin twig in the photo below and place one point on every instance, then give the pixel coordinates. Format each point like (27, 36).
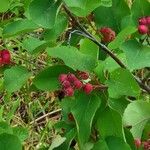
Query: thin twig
(103, 47)
(46, 115)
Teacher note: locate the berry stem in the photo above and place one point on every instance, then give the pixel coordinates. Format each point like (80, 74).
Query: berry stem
(86, 34)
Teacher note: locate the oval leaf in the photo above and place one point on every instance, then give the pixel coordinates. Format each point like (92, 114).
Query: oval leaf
(137, 114)
(73, 58)
(18, 27)
(43, 12)
(15, 78)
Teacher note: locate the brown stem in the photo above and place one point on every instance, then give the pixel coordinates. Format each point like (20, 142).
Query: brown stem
(103, 47)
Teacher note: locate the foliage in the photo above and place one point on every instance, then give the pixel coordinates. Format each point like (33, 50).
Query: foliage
(74, 74)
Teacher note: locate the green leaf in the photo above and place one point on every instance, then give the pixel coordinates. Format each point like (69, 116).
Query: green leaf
(15, 78)
(127, 21)
(47, 80)
(57, 142)
(129, 139)
(84, 112)
(138, 56)
(89, 48)
(69, 137)
(111, 143)
(59, 27)
(21, 133)
(111, 16)
(122, 83)
(43, 12)
(121, 37)
(119, 104)
(18, 27)
(137, 114)
(82, 7)
(67, 104)
(100, 145)
(111, 65)
(5, 128)
(34, 45)
(73, 58)
(4, 5)
(106, 3)
(115, 143)
(109, 123)
(9, 142)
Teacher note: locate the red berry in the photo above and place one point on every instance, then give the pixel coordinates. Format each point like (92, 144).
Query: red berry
(1, 61)
(146, 145)
(142, 29)
(83, 75)
(137, 143)
(77, 84)
(6, 57)
(108, 34)
(69, 91)
(71, 77)
(62, 78)
(66, 84)
(143, 21)
(148, 20)
(88, 88)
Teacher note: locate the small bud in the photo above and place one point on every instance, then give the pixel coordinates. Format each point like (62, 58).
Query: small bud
(62, 78)
(77, 84)
(143, 21)
(148, 20)
(66, 84)
(88, 88)
(83, 75)
(6, 57)
(137, 143)
(71, 77)
(69, 91)
(108, 34)
(143, 29)
(146, 145)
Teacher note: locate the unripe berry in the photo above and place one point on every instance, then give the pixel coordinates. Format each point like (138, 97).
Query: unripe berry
(83, 75)
(88, 88)
(143, 21)
(108, 34)
(71, 77)
(142, 29)
(137, 143)
(62, 78)
(66, 84)
(77, 84)
(69, 91)
(148, 20)
(6, 57)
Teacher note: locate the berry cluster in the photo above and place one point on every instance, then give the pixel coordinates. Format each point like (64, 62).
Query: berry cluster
(144, 25)
(108, 34)
(144, 144)
(5, 57)
(70, 83)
